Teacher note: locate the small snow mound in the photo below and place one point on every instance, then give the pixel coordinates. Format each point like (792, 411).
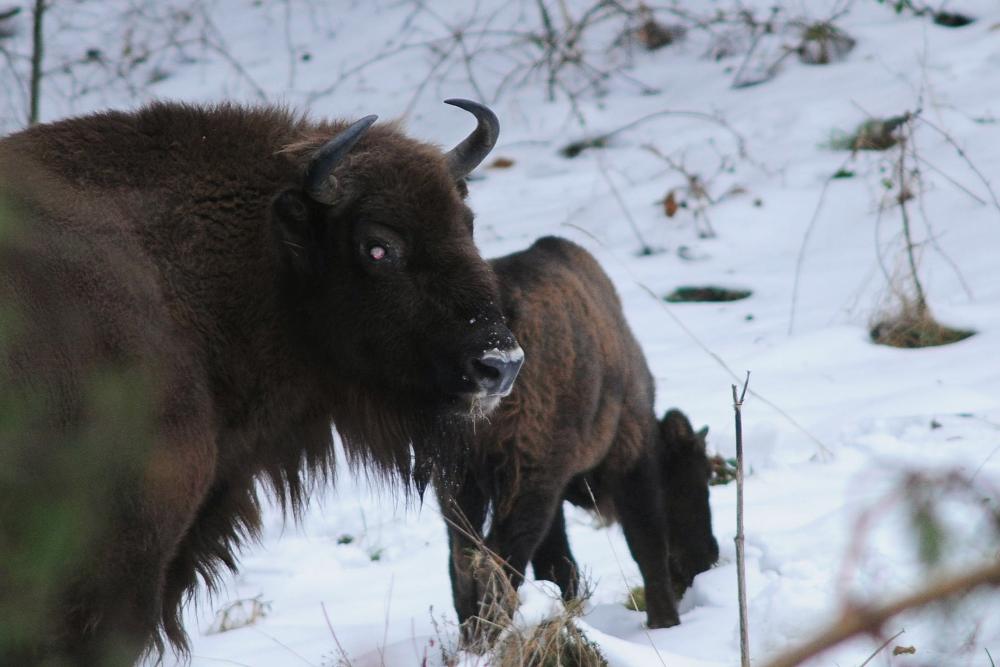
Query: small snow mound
(540, 602)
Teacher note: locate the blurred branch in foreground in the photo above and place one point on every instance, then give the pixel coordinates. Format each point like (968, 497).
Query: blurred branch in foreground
(869, 619)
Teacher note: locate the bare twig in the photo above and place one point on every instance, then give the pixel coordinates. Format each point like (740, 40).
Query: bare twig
(218, 46)
(931, 236)
(760, 29)
(881, 648)
(37, 54)
(741, 576)
(345, 658)
(357, 68)
(985, 461)
(385, 629)
(930, 165)
(442, 58)
(858, 620)
(551, 42)
(290, 45)
(697, 188)
(962, 154)
(644, 247)
(602, 139)
(880, 257)
(284, 646)
(805, 241)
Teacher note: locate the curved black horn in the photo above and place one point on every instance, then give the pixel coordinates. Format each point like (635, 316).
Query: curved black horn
(326, 159)
(466, 156)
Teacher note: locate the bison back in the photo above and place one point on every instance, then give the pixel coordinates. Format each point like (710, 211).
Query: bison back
(584, 396)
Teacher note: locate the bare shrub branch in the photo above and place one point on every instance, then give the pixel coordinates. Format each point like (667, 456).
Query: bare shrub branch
(868, 619)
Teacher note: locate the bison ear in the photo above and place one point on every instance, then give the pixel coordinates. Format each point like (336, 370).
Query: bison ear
(702, 436)
(676, 427)
(295, 234)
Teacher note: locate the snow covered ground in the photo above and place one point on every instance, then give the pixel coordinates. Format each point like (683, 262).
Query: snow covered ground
(364, 576)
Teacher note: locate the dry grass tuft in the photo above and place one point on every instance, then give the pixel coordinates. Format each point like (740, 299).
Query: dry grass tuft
(239, 614)
(654, 35)
(497, 604)
(824, 43)
(913, 327)
(556, 642)
(874, 134)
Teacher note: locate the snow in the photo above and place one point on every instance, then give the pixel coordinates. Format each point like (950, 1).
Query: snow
(835, 423)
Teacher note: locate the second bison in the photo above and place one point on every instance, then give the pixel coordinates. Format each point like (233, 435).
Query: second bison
(579, 425)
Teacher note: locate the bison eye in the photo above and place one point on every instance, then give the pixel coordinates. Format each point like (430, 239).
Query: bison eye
(380, 252)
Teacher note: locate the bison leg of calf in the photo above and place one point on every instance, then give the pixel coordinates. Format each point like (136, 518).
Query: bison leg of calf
(642, 512)
(553, 560)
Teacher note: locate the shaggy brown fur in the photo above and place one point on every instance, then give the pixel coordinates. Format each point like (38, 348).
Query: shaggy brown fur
(580, 426)
(178, 320)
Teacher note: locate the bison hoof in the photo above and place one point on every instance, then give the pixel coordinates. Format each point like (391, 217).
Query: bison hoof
(667, 621)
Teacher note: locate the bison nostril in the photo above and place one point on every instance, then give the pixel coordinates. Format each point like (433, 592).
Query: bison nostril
(486, 371)
(495, 370)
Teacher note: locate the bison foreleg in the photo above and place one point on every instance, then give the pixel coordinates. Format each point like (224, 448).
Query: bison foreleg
(517, 533)
(553, 560)
(641, 510)
(464, 509)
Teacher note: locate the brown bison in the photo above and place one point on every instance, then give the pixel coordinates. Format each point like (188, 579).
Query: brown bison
(579, 425)
(189, 298)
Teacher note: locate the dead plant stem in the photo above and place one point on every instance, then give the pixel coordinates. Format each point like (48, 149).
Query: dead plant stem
(800, 259)
(740, 540)
(904, 194)
(881, 648)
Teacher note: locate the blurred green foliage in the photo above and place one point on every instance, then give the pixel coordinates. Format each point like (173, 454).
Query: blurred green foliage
(71, 434)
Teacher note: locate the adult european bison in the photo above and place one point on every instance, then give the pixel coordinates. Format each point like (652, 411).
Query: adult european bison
(579, 425)
(189, 298)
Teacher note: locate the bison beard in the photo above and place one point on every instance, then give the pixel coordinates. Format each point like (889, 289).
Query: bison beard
(578, 426)
(188, 301)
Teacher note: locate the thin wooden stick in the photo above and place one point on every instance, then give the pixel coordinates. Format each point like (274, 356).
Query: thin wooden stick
(741, 576)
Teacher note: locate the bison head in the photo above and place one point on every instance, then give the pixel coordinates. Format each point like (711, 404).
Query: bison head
(379, 259)
(693, 548)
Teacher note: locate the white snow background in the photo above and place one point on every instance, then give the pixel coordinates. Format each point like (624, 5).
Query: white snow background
(368, 571)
